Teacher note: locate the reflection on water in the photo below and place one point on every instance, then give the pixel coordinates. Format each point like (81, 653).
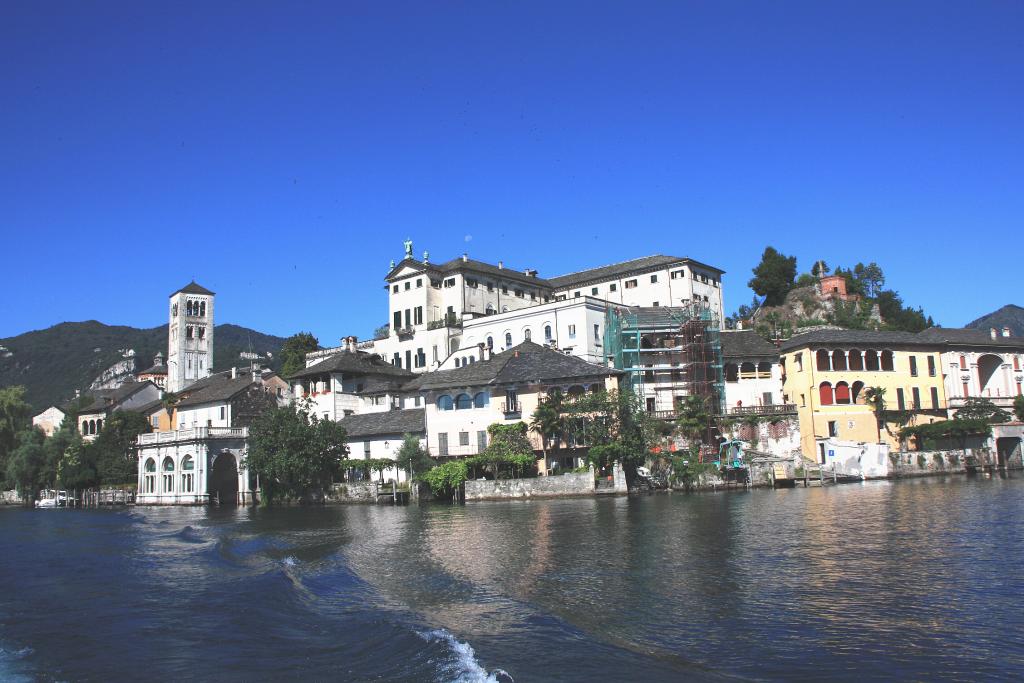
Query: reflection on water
(917, 580)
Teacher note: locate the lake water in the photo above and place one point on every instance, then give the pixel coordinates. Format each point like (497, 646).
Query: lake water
(915, 580)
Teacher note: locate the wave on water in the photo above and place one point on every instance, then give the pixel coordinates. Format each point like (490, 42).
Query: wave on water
(11, 668)
(463, 666)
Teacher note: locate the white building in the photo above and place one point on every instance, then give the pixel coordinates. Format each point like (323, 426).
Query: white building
(202, 459)
(437, 311)
(379, 435)
(49, 420)
(753, 374)
(977, 364)
(190, 336)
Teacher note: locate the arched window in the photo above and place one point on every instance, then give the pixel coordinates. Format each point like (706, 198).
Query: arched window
(481, 400)
(838, 360)
(463, 402)
(732, 372)
(92, 426)
(490, 343)
(150, 465)
(857, 388)
(85, 426)
(168, 464)
(748, 371)
(508, 340)
(824, 362)
(871, 360)
(764, 369)
(825, 394)
(547, 333)
(842, 393)
(458, 363)
(856, 360)
(527, 335)
(149, 480)
(187, 475)
(168, 477)
(490, 309)
(887, 363)
(576, 391)
(99, 425)
(202, 309)
(445, 402)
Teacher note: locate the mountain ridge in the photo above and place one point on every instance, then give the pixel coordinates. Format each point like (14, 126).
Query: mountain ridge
(53, 362)
(1010, 315)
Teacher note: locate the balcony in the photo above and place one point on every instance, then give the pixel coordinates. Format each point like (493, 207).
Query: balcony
(780, 409)
(194, 434)
(1004, 402)
(511, 410)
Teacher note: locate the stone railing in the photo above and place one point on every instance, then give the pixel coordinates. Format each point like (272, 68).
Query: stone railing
(193, 434)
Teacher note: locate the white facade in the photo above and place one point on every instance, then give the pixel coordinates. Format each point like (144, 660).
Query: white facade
(49, 420)
(994, 373)
(189, 337)
(193, 467)
(674, 284)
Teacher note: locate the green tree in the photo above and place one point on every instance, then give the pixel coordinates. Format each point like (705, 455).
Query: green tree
(982, 409)
(693, 421)
(509, 447)
(295, 454)
(15, 416)
(26, 466)
(294, 350)
(773, 276)
(445, 479)
(113, 450)
(76, 468)
(413, 458)
(378, 465)
(897, 316)
(820, 268)
(1018, 408)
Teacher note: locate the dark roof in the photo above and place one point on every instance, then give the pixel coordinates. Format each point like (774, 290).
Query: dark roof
(381, 385)
(863, 337)
(746, 344)
(457, 265)
(359, 362)
(959, 336)
(193, 288)
(527, 362)
(149, 408)
(106, 399)
(385, 422)
(619, 269)
(155, 370)
(220, 388)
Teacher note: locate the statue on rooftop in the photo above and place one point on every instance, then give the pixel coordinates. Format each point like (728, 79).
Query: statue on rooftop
(408, 248)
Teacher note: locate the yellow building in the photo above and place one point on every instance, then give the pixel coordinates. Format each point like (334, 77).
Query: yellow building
(827, 373)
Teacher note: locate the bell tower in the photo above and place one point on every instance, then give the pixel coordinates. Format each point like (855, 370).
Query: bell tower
(189, 336)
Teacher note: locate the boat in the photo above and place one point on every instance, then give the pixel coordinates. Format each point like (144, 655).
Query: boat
(48, 498)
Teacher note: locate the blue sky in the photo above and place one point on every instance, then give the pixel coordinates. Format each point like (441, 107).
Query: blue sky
(281, 153)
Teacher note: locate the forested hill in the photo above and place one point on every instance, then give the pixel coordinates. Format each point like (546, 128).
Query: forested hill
(1008, 316)
(52, 363)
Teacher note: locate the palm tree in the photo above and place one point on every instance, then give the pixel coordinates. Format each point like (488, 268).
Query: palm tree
(875, 397)
(548, 422)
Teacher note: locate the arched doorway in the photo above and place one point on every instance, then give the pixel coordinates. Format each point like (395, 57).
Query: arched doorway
(224, 480)
(989, 378)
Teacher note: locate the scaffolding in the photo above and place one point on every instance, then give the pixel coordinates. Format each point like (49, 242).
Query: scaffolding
(670, 352)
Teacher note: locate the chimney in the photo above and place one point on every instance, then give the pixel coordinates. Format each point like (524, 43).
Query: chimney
(1006, 330)
(256, 374)
(992, 332)
(739, 324)
(465, 257)
(483, 353)
(234, 372)
(501, 266)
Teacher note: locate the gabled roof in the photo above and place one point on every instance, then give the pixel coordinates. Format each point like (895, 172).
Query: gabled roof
(149, 408)
(855, 337)
(219, 388)
(383, 385)
(964, 336)
(155, 370)
(385, 422)
(193, 288)
(621, 269)
(458, 265)
(746, 344)
(358, 363)
(527, 362)
(107, 399)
